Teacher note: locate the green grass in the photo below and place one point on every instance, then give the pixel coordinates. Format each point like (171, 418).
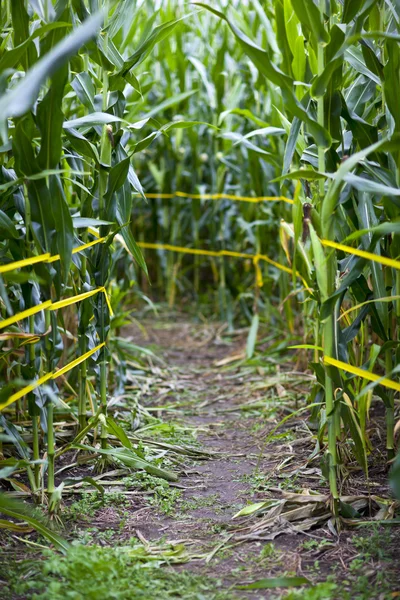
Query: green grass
(124, 573)
(163, 496)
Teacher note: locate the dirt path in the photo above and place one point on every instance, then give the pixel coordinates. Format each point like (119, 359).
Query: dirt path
(213, 399)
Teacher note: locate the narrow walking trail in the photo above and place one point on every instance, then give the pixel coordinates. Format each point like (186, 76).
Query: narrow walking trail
(225, 408)
(231, 406)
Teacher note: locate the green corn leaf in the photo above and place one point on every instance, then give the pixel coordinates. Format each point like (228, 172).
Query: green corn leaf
(17, 510)
(250, 509)
(282, 36)
(168, 103)
(395, 477)
(119, 432)
(85, 90)
(7, 225)
(264, 64)
(129, 458)
(73, 481)
(372, 187)
(20, 20)
(63, 224)
(291, 144)
(355, 58)
(352, 7)
(351, 419)
(117, 177)
(392, 81)
(275, 582)
(157, 35)
(310, 18)
(320, 263)
(132, 246)
(338, 181)
(252, 337)
(291, 25)
(97, 118)
(308, 174)
(11, 58)
(50, 119)
(20, 99)
(80, 222)
(82, 145)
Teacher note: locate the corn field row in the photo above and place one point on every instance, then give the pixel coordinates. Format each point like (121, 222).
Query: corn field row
(104, 102)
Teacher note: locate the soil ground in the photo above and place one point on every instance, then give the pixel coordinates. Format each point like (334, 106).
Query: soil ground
(215, 398)
(212, 400)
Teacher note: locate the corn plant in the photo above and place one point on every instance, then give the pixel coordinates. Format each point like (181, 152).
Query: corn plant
(67, 180)
(338, 74)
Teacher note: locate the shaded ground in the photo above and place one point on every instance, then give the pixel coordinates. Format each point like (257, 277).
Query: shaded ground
(223, 404)
(213, 404)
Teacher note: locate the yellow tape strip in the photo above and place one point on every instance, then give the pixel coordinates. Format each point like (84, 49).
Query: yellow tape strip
(55, 306)
(27, 262)
(94, 232)
(25, 314)
(393, 385)
(79, 249)
(80, 297)
(219, 253)
(77, 361)
(53, 375)
(26, 390)
(74, 299)
(383, 260)
(24, 263)
(254, 200)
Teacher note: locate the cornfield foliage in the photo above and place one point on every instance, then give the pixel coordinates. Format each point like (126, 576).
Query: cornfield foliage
(103, 102)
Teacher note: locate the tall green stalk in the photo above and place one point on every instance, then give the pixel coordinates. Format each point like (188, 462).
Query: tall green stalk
(105, 156)
(83, 366)
(329, 325)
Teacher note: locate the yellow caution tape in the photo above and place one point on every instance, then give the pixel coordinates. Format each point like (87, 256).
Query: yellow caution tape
(383, 260)
(55, 306)
(48, 258)
(219, 253)
(94, 232)
(79, 248)
(25, 314)
(29, 388)
(79, 298)
(393, 385)
(26, 262)
(259, 277)
(254, 200)
(77, 361)
(53, 375)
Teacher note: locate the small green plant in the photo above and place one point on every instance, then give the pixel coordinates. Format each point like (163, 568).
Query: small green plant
(321, 591)
(374, 545)
(87, 506)
(201, 502)
(268, 551)
(163, 495)
(123, 573)
(316, 544)
(257, 480)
